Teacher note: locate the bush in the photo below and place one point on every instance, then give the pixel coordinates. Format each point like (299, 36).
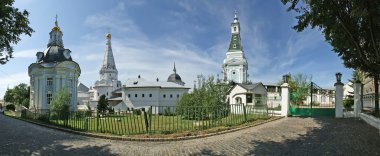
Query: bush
(136, 112)
(10, 107)
(348, 103)
(43, 117)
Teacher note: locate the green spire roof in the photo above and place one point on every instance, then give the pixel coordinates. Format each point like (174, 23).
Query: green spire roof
(235, 43)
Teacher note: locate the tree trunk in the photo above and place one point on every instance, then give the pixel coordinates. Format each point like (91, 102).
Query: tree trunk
(376, 82)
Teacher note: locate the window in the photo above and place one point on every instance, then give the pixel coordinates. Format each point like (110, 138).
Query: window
(177, 96)
(49, 82)
(129, 95)
(107, 93)
(49, 97)
(233, 72)
(249, 98)
(150, 95)
(234, 28)
(98, 94)
(235, 38)
(143, 95)
(164, 96)
(234, 45)
(135, 95)
(171, 95)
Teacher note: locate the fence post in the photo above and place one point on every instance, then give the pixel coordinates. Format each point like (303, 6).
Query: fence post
(285, 99)
(146, 120)
(245, 113)
(97, 121)
(357, 98)
(338, 99)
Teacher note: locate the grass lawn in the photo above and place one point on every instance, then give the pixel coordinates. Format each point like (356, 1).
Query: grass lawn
(135, 124)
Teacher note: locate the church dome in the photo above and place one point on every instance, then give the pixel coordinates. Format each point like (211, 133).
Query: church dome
(175, 77)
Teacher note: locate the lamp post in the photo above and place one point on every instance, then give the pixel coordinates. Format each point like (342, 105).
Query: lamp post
(338, 76)
(338, 95)
(286, 78)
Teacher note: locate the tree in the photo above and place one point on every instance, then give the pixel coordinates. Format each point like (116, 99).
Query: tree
(13, 23)
(209, 94)
(299, 86)
(60, 103)
(352, 27)
(102, 104)
(19, 95)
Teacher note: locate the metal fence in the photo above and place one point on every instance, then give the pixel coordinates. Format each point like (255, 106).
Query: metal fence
(368, 101)
(169, 119)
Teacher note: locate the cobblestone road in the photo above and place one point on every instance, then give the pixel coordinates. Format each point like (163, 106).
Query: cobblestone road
(288, 136)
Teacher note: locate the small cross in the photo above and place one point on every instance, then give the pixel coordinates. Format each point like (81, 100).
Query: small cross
(236, 12)
(56, 17)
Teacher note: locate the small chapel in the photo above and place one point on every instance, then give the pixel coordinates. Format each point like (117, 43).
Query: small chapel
(53, 71)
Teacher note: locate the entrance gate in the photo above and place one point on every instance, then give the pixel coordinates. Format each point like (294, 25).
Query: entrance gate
(318, 102)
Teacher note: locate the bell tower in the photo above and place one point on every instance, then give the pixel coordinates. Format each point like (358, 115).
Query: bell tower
(235, 64)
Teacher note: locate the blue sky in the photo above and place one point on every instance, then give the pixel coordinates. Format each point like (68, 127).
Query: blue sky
(148, 36)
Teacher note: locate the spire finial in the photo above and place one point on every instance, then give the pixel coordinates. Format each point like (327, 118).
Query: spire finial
(235, 16)
(174, 70)
(56, 20)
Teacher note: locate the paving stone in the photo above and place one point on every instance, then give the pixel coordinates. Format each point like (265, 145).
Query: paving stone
(288, 136)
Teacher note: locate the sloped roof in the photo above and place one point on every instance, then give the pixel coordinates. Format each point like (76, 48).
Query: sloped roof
(82, 88)
(140, 82)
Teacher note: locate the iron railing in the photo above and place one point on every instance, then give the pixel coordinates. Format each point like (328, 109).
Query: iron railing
(153, 119)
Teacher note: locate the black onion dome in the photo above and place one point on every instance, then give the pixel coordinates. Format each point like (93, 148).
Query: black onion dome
(174, 78)
(56, 54)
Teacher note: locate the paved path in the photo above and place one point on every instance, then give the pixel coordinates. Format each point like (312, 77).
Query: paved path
(288, 136)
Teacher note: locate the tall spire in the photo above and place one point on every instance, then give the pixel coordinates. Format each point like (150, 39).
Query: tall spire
(108, 65)
(55, 35)
(174, 70)
(235, 43)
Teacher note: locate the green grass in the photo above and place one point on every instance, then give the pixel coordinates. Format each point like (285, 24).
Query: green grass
(135, 124)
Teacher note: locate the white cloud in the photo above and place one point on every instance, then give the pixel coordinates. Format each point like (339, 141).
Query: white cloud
(11, 80)
(29, 53)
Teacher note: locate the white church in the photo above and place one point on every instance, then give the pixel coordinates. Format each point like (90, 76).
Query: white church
(53, 70)
(134, 93)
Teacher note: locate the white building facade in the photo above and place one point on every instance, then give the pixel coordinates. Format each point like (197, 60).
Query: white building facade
(53, 71)
(135, 93)
(235, 64)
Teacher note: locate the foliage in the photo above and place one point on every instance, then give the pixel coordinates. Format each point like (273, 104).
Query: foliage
(13, 23)
(352, 28)
(60, 103)
(348, 103)
(102, 104)
(136, 111)
(209, 94)
(10, 107)
(299, 85)
(18, 95)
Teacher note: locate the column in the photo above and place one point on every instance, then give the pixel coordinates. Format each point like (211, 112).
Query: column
(338, 100)
(285, 96)
(357, 98)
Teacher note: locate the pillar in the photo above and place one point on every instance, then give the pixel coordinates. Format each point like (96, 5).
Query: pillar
(285, 96)
(338, 100)
(357, 98)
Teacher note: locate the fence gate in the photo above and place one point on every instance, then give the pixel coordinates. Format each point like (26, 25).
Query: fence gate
(318, 102)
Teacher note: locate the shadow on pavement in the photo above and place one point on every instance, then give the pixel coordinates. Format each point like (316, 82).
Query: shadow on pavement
(20, 138)
(331, 137)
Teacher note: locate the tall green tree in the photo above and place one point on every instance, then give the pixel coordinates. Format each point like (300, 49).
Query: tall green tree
(19, 95)
(209, 93)
(102, 106)
(13, 23)
(299, 85)
(352, 27)
(60, 104)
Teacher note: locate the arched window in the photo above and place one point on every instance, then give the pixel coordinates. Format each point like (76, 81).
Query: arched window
(234, 28)
(238, 100)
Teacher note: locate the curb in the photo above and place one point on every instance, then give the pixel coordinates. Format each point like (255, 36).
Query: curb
(123, 138)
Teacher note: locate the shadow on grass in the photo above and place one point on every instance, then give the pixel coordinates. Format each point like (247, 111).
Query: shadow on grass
(21, 138)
